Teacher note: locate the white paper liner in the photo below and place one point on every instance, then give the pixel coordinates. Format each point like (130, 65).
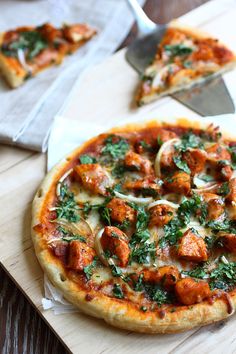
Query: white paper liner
(53, 299)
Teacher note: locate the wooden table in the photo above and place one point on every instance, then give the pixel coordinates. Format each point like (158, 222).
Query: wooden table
(21, 328)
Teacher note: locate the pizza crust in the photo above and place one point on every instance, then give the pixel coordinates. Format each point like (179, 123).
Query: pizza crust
(13, 74)
(117, 312)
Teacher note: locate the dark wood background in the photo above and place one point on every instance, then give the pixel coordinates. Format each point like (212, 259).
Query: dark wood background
(21, 328)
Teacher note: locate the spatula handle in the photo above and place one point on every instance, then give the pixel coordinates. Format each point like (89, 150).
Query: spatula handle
(145, 25)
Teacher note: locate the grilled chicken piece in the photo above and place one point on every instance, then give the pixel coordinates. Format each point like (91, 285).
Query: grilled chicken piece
(179, 182)
(215, 205)
(166, 275)
(153, 138)
(121, 211)
(93, 177)
(229, 241)
(136, 162)
(231, 196)
(50, 33)
(148, 186)
(190, 291)
(192, 247)
(160, 215)
(76, 33)
(117, 243)
(195, 160)
(219, 158)
(80, 255)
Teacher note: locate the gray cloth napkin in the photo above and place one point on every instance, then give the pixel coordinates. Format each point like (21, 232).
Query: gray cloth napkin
(26, 113)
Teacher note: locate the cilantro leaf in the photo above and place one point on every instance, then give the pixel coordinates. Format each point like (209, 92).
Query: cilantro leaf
(88, 270)
(69, 236)
(115, 147)
(224, 276)
(178, 49)
(117, 291)
(157, 293)
(105, 215)
(224, 189)
(31, 42)
(66, 207)
(182, 165)
(116, 271)
(189, 140)
(87, 159)
(197, 272)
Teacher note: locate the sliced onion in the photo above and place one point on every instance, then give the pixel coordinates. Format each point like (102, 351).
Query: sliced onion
(206, 189)
(82, 227)
(224, 260)
(157, 163)
(199, 183)
(161, 202)
(61, 180)
(131, 198)
(233, 174)
(21, 57)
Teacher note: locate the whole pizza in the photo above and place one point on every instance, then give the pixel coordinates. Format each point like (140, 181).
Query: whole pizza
(138, 226)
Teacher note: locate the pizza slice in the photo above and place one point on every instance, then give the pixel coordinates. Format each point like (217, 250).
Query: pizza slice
(184, 57)
(25, 51)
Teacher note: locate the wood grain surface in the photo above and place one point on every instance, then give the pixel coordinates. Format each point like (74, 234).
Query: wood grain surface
(22, 329)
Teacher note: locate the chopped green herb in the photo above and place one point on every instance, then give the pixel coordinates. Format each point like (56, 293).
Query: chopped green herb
(224, 276)
(117, 291)
(31, 42)
(87, 159)
(124, 225)
(88, 270)
(139, 284)
(159, 141)
(189, 140)
(142, 252)
(222, 225)
(69, 236)
(182, 165)
(116, 271)
(210, 241)
(66, 207)
(178, 50)
(105, 215)
(142, 218)
(146, 146)
(197, 272)
(157, 294)
(115, 147)
(118, 171)
(224, 189)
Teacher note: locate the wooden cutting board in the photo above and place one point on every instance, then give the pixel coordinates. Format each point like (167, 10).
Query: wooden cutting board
(104, 93)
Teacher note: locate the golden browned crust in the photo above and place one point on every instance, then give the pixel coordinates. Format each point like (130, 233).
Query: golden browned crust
(119, 313)
(11, 70)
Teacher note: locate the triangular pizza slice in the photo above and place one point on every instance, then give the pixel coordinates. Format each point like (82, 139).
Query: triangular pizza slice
(185, 56)
(25, 51)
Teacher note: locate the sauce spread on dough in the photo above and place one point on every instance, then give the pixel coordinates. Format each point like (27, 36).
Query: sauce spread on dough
(148, 217)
